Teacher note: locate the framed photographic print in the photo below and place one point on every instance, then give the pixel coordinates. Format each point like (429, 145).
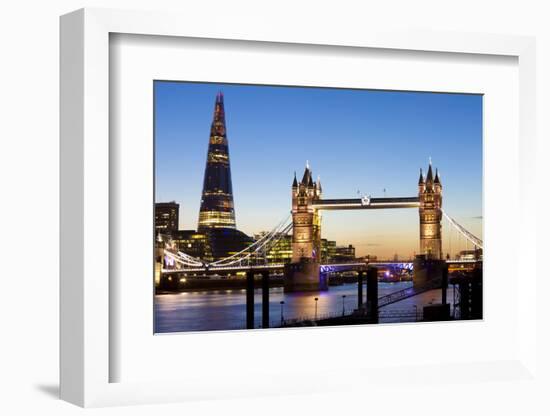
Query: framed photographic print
(292, 203)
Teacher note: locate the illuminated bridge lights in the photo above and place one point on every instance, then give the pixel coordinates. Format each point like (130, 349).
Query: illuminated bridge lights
(397, 265)
(254, 256)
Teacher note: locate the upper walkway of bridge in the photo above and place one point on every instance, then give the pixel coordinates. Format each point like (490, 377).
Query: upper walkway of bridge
(367, 203)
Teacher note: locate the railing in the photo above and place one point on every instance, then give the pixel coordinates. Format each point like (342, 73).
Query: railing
(408, 293)
(313, 319)
(225, 268)
(413, 314)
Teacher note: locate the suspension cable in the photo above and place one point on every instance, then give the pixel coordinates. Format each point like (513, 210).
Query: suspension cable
(256, 243)
(275, 237)
(187, 260)
(468, 235)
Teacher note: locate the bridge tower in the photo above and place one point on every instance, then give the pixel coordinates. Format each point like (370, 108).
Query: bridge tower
(429, 264)
(303, 272)
(430, 195)
(306, 236)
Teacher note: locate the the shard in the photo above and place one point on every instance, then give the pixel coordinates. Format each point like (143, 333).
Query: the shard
(217, 209)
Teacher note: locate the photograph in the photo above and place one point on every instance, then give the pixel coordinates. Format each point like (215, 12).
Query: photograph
(291, 206)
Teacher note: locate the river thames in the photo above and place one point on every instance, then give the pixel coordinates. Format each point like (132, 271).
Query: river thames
(226, 309)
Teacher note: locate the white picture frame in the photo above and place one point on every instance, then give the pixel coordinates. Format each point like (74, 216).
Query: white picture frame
(86, 303)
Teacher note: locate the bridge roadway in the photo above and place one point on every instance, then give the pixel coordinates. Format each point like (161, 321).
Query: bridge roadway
(407, 262)
(336, 267)
(262, 267)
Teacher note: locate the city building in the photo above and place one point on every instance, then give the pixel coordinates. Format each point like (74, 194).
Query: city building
(166, 217)
(193, 243)
(328, 250)
(217, 212)
(471, 255)
(281, 252)
(344, 254)
(217, 209)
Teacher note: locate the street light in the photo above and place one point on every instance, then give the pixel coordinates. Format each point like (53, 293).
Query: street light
(316, 299)
(343, 307)
(282, 318)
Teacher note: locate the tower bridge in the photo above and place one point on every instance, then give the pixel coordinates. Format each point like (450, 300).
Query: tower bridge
(304, 272)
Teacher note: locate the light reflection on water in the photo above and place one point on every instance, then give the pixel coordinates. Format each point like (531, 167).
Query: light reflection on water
(226, 309)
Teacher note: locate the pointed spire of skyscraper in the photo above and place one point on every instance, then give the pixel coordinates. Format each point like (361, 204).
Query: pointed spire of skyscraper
(437, 180)
(295, 182)
(219, 112)
(219, 98)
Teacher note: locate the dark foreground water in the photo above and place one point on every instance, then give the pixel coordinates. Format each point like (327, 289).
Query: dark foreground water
(226, 309)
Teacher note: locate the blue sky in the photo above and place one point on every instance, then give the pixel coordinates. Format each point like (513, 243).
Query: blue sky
(354, 139)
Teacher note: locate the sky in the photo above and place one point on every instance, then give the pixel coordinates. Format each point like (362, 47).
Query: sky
(366, 141)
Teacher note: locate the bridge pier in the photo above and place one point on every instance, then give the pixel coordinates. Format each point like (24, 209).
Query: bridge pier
(250, 299)
(169, 282)
(470, 293)
(265, 299)
(359, 289)
(427, 269)
(439, 311)
(372, 295)
(444, 283)
(250, 286)
(304, 276)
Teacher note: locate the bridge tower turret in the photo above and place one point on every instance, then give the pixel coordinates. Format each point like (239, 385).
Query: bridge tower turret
(430, 195)
(421, 183)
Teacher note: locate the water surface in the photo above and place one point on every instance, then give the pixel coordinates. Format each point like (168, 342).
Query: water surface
(226, 309)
